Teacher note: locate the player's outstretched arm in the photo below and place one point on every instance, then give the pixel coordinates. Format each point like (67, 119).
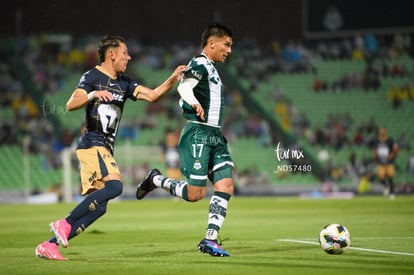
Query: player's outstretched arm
(152, 95)
(80, 97)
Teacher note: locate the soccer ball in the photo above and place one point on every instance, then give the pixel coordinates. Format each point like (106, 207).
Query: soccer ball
(334, 238)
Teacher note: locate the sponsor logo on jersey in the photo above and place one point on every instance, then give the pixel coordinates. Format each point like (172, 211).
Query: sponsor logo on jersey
(196, 74)
(118, 97)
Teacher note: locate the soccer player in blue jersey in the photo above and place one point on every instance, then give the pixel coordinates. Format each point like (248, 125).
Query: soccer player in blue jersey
(102, 92)
(385, 152)
(203, 149)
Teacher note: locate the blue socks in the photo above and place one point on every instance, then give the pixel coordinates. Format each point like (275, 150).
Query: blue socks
(93, 207)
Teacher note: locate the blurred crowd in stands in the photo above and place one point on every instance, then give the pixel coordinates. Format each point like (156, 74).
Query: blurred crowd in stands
(48, 60)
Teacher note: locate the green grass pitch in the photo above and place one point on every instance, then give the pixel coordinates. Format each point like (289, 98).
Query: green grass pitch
(267, 235)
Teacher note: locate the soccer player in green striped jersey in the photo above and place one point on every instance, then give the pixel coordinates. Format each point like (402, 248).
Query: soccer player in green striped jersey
(203, 149)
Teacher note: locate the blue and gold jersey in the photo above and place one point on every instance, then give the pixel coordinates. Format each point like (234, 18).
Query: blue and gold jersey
(383, 150)
(102, 119)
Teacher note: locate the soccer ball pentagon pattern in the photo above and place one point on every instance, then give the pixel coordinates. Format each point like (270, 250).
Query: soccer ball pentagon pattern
(334, 238)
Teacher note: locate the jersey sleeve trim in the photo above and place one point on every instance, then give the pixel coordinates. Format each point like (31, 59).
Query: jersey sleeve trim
(136, 92)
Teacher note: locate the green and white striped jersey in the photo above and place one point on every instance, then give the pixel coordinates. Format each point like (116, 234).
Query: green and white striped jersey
(208, 91)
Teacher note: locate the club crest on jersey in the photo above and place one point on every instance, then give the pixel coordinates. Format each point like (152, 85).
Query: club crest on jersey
(197, 165)
(215, 79)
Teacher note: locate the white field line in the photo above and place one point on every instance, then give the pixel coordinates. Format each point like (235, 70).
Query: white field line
(351, 247)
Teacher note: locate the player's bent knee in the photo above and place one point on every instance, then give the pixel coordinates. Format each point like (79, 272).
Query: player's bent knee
(195, 193)
(225, 186)
(228, 190)
(194, 198)
(115, 187)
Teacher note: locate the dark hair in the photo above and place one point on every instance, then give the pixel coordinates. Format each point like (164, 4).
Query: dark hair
(107, 42)
(214, 29)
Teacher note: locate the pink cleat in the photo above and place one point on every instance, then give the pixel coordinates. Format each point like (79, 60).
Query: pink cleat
(49, 251)
(61, 229)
